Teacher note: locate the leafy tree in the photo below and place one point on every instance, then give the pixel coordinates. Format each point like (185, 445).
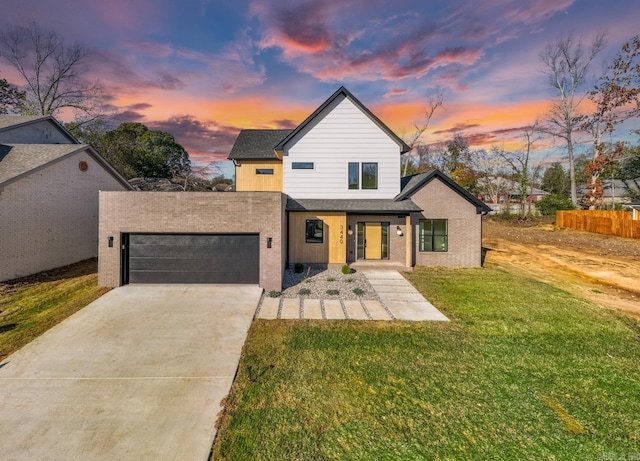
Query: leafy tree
(135, 151)
(459, 162)
(552, 203)
(630, 166)
(53, 73)
(616, 98)
(555, 180)
(566, 63)
(11, 98)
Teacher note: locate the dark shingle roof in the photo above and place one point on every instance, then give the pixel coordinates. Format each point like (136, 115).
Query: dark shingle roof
(257, 144)
(353, 206)
(411, 184)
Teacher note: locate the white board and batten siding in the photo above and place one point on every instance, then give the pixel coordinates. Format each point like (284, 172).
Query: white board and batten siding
(340, 134)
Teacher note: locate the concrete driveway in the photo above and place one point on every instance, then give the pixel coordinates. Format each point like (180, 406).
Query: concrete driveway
(137, 374)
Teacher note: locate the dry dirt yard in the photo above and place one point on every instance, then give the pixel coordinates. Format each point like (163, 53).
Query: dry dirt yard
(598, 267)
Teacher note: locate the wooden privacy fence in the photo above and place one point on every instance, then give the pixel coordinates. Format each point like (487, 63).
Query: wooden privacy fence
(618, 223)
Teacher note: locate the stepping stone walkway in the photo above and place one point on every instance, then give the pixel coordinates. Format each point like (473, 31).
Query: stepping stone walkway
(399, 300)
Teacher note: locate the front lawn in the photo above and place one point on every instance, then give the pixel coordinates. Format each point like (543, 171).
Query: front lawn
(523, 371)
(31, 305)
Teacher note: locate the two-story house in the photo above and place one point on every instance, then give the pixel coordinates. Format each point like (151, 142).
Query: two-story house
(346, 202)
(328, 192)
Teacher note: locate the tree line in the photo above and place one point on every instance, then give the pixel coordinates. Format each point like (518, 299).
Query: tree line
(55, 79)
(614, 98)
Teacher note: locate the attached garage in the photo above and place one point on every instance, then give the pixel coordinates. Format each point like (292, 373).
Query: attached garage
(192, 237)
(190, 258)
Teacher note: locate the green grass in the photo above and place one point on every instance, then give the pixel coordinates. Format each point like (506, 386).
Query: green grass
(30, 306)
(523, 371)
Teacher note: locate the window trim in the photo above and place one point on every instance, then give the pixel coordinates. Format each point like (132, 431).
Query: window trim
(422, 236)
(362, 175)
(266, 171)
(314, 239)
(302, 165)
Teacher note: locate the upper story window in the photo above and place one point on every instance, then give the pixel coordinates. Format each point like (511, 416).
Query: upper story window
(369, 175)
(302, 166)
(434, 235)
(264, 170)
(354, 175)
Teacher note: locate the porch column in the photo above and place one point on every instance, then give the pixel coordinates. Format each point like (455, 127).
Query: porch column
(409, 242)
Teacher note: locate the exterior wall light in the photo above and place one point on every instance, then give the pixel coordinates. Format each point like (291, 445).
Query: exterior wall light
(399, 231)
(269, 240)
(110, 241)
(349, 230)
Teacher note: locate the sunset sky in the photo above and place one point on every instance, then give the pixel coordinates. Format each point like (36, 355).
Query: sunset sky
(204, 69)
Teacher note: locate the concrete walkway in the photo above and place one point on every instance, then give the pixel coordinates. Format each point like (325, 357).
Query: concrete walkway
(399, 300)
(137, 374)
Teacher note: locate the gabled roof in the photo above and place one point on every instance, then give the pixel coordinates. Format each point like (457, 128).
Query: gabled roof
(18, 160)
(411, 184)
(376, 206)
(344, 92)
(257, 144)
(10, 122)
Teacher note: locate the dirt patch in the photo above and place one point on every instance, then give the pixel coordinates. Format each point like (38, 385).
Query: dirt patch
(598, 267)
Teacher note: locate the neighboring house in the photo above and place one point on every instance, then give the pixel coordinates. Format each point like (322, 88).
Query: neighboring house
(49, 187)
(328, 193)
(616, 191)
(501, 194)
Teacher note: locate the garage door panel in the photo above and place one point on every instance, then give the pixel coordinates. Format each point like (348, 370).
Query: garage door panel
(194, 258)
(176, 264)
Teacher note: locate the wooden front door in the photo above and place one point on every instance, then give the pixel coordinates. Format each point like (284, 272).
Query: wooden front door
(373, 240)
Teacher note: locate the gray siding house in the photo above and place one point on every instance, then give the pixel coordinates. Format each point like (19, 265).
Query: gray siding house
(49, 187)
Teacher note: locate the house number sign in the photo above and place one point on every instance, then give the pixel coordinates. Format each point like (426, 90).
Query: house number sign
(341, 234)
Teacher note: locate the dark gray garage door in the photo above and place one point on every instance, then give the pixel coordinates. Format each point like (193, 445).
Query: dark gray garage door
(192, 258)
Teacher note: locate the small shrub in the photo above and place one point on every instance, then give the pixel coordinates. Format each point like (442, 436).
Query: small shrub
(304, 291)
(549, 205)
(308, 280)
(333, 292)
(348, 280)
(358, 291)
(331, 279)
(298, 268)
(346, 269)
(274, 294)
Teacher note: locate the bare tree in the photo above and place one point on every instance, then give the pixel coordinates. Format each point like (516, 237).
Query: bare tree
(566, 64)
(413, 139)
(491, 170)
(53, 73)
(519, 161)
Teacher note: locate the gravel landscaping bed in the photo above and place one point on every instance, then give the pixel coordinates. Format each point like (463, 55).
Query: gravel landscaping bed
(323, 284)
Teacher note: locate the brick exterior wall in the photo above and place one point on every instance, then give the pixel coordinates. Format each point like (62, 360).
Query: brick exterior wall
(439, 201)
(397, 244)
(194, 212)
(49, 218)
